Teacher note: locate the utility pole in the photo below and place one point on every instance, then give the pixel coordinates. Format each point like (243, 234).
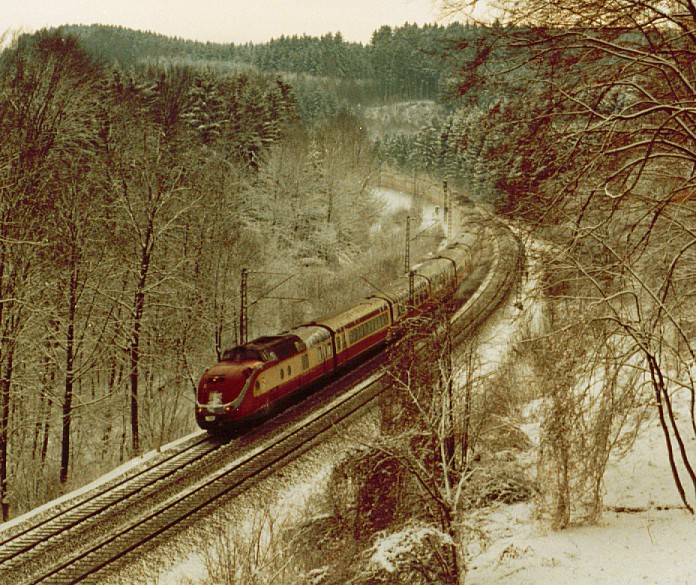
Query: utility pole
(407, 256)
(244, 308)
(411, 288)
(448, 210)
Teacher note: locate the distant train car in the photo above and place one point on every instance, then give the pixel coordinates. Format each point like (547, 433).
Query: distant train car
(251, 378)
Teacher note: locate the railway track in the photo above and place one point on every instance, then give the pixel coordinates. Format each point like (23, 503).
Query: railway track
(101, 531)
(487, 292)
(39, 538)
(93, 538)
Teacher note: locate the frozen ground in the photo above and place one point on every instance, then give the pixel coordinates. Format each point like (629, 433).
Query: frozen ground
(652, 543)
(644, 536)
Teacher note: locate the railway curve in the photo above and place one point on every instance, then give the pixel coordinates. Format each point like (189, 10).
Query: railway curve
(93, 537)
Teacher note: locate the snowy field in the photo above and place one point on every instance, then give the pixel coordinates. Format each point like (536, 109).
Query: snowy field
(653, 543)
(645, 536)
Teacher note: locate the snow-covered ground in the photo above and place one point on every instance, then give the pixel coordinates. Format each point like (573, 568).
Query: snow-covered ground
(644, 535)
(653, 543)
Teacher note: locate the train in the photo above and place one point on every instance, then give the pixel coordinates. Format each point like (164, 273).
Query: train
(252, 379)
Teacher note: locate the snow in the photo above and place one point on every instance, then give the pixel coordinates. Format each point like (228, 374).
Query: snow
(652, 542)
(116, 474)
(392, 549)
(644, 536)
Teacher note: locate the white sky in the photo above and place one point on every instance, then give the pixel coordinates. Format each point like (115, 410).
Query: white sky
(224, 21)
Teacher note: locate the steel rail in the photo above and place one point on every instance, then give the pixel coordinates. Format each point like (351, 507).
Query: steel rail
(183, 510)
(58, 523)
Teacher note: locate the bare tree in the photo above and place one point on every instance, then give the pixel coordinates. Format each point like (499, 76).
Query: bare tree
(150, 193)
(598, 97)
(46, 116)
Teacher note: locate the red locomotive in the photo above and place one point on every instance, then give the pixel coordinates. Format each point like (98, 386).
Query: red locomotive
(251, 378)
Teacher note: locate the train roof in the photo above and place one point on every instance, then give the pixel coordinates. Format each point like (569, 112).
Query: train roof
(358, 312)
(267, 348)
(311, 335)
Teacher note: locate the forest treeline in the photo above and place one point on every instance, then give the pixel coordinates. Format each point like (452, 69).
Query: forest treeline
(580, 123)
(406, 62)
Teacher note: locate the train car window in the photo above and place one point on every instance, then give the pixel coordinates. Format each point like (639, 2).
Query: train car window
(258, 385)
(305, 362)
(289, 371)
(344, 340)
(282, 373)
(319, 354)
(240, 354)
(338, 344)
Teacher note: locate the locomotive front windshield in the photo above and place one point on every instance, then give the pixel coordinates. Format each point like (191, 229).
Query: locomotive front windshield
(241, 354)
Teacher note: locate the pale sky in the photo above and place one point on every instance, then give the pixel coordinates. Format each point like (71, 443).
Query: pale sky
(224, 21)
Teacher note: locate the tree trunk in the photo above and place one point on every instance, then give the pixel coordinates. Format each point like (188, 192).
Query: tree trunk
(138, 309)
(5, 385)
(4, 405)
(134, 362)
(69, 374)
